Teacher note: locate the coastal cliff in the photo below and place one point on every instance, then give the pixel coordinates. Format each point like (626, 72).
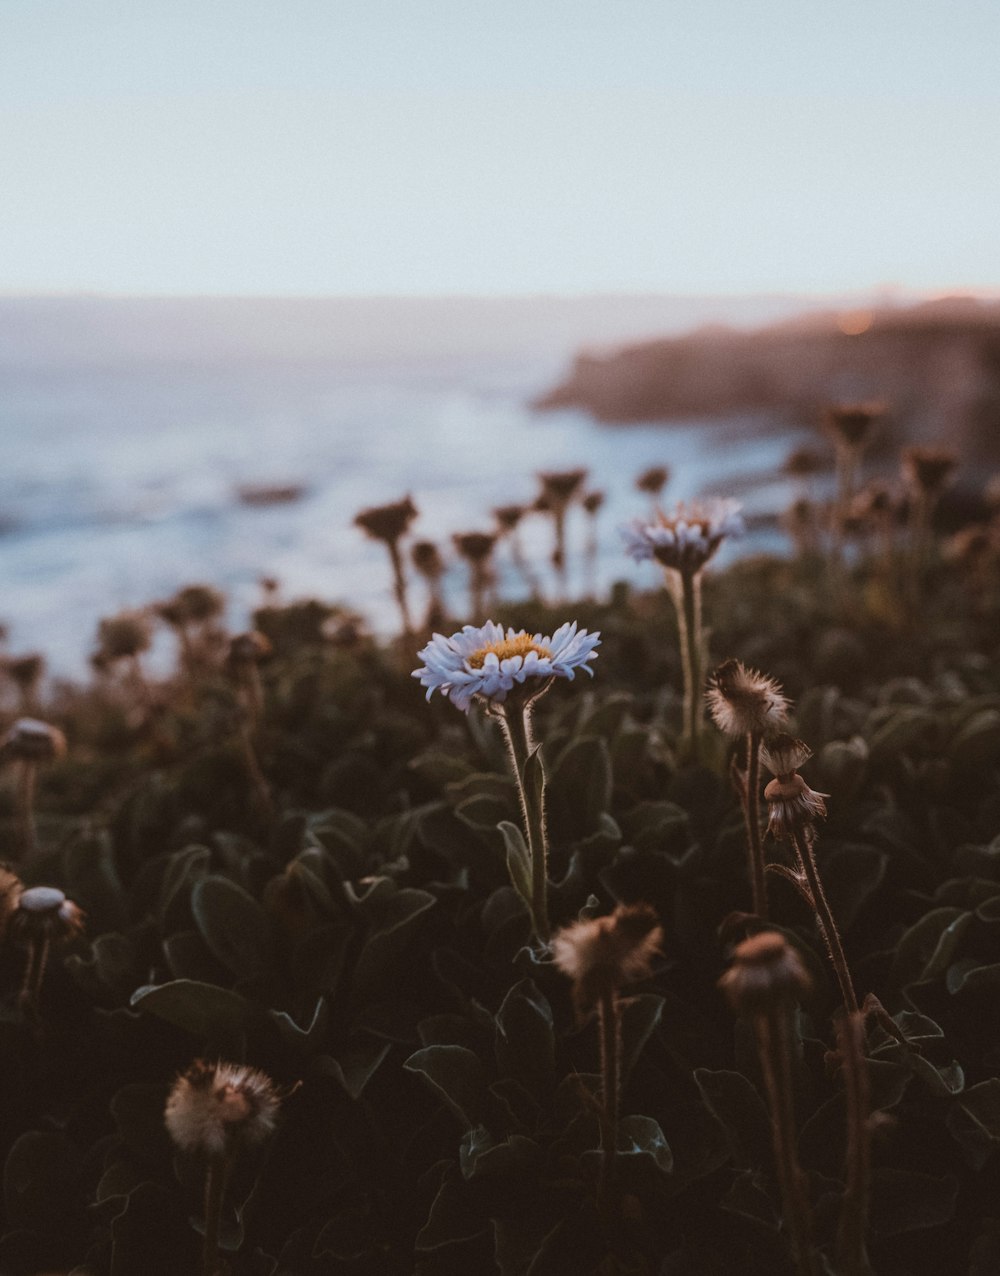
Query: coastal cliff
(937, 366)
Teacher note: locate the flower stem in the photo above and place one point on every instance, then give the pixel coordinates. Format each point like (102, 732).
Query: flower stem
(34, 973)
(803, 843)
(516, 720)
(751, 811)
(688, 607)
(27, 835)
(399, 585)
(559, 552)
(611, 1047)
(774, 1048)
(216, 1173)
(852, 1253)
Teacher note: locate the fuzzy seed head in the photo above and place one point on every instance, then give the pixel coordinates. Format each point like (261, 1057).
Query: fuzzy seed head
(221, 1108)
(605, 953)
(767, 973)
(743, 701)
(783, 755)
(793, 807)
(559, 487)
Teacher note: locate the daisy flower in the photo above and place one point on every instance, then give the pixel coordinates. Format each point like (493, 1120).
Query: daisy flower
(489, 661)
(686, 538)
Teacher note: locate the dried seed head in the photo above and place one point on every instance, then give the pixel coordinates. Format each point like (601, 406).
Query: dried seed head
(605, 953)
(508, 516)
(25, 671)
(803, 462)
(475, 547)
(851, 423)
(192, 605)
(387, 522)
(44, 912)
(767, 973)
(743, 701)
(653, 480)
(793, 807)
(559, 487)
(783, 755)
(427, 559)
(29, 740)
(928, 468)
(593, 501)
(251, 648)
(127, 634)
(221, 1108)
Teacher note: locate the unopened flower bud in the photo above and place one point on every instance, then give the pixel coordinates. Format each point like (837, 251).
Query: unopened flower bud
(766, 973)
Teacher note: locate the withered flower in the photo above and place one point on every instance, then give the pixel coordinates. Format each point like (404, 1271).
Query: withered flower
(794, 806)
(767, 972)
(851, 423)
(744, 702)
(221, 1108)
(606, 953)
(387, 523)
(30, 740)
(653, 480)
(927, 469)
(124, 636)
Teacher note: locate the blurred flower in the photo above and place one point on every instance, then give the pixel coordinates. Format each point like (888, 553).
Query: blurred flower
(743, 701)
(387, 522)
(30, 740)
(44, 912)
(851, 423)
(489, 662)
(593, 501)
(220, 1108)
(192, 605)
(426, 558)
(604, 953)
(475, 547)
(766, 973)
(250, 648)
(653, 480)
(685, 539)
(508, 516)
(559, 487)
(803, 462)
(126, 635)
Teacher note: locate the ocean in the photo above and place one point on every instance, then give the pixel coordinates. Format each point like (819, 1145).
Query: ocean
(123, 456)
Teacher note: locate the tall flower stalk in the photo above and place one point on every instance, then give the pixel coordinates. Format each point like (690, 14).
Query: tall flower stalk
(477, 550)
(389, 524)
(509, 519)
(508, 671)
(763, 984)
(560, 488)
(793, 810)
(926, 472)
(682, 542)
(852, 1251)
(246, 653)
(745, 705)
(29, 744)
(851, 426)
(602, 955)
(592, 505)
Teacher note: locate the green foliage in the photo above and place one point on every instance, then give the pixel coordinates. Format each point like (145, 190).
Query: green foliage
(366, 945)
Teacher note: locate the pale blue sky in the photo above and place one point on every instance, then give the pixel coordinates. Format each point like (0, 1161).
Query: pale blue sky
(507, 146)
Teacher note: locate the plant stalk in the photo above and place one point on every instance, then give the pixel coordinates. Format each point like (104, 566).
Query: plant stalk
(774, 1048)
(755, 841)
(852, 1253)
(26, 831)
(216, 1173)
(516, 720)
(688, 606)
(803, 842)
(399, 587)
(609, 1009)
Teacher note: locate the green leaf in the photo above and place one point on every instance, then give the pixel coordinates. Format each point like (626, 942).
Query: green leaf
(737, 1106)
(356, 1064)
(927, 948)
(394, 918)
(182, 868)
(518, 859)
(579, 791)
(233, 925)
(748, 1199)
(640, 1016)
(525, 1043)
(974, 1120)
(905, 1201)
(481, 1155)
(453, 1218)
(642, 1136)
(458, 1078)
(533, 779)
(201, 1009)
(977, 744)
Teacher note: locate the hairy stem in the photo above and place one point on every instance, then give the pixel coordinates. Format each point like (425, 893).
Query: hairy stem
(803, 843)
(774, 1047)
(609, 1009)
(216, 1173)
(688, 605)
(852, 1253)
(755, 841)
(516, 720)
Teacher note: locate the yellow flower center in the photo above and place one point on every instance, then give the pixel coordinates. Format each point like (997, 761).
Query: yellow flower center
(507, 647)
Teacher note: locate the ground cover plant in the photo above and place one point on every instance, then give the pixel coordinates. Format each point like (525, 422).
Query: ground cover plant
(301, 973)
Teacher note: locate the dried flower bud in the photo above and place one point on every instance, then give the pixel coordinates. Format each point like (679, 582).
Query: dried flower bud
(653, 480)
(221, 1108)
(127, 634)
(767, 973)
(475, 547)
(743, 701)
(783, 755)
(29, 740)
(803, 462)
(851, 423)
(928, 468)
(251, 648)
(387, 522)
(559, 487)
(508, 516)
(44, 912)
(25, 671)
(605, 953)
(192, 605)
(593, 501)
(427, 559)
(793, 806)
